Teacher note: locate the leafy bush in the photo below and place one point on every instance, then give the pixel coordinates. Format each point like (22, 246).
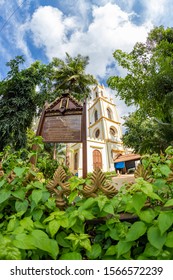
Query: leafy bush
(137, 223)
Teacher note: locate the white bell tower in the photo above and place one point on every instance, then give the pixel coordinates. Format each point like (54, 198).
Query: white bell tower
(103, 135)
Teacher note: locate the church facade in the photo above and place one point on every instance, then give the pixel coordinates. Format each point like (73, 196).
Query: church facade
(104, 135)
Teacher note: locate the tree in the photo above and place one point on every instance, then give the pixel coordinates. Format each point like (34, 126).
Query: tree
(70, 75)
(148, 83)
(19, 101)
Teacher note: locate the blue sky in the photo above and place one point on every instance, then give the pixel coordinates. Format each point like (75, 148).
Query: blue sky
(42, 29)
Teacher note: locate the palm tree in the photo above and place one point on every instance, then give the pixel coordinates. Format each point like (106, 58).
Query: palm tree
(70, 75)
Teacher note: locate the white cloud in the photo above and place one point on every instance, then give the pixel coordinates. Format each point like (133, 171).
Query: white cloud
(159, 12)
(110, 29)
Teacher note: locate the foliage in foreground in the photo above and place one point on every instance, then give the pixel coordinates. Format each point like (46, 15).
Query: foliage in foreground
(32, 227)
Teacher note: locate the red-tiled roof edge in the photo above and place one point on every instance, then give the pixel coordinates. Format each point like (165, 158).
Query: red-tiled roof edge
(127, 157)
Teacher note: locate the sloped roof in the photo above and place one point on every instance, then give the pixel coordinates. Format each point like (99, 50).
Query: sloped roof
(127, 157)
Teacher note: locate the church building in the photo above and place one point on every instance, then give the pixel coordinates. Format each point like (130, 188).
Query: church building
(103, 135)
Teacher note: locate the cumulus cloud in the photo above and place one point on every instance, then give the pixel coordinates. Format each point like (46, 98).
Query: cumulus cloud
(109, 29)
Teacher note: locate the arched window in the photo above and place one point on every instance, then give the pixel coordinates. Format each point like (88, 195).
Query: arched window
(96, 115)
(109, 113)
(96, 94)
(76, 161)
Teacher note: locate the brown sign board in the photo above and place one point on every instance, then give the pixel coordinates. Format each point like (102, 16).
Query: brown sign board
(61, 121)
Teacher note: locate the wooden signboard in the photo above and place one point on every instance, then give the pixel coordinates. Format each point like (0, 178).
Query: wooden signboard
(61, 121)
(64, 121)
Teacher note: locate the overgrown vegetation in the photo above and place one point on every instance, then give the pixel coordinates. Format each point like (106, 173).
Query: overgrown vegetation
(136, 223)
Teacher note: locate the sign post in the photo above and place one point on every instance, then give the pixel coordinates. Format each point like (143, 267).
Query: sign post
(64, 121)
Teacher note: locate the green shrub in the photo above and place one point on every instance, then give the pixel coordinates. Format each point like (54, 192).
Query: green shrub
(137, 223)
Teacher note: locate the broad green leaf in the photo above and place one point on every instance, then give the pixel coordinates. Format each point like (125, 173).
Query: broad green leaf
(137, 230)
(19, 194)
(21, 206)
(37, 214)
(27, 223)
(2, 182)
(169, 240)
(42, 241)
(164, 169)
(24, 241)
(165, 221)
(169, 203)
(112, 250)
(36, 196)
(123, 247)
(87, 204)
(151, 251)
(60, 237)
(72, 196)
(54, 227)
(4, 195)
(87, 214)
(101, 200)
(138, 201)
(38, 185)
(108, 208)
(155, 238)
(113, 234)
(147, 215)
(13, 223)
(86, 244)
(19, 170)
(95, 252)
(71, 256)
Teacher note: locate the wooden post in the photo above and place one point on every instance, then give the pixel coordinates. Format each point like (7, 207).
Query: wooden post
(84, 140)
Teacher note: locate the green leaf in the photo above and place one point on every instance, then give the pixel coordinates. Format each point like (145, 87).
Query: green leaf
(151, 251)
(2, 182)
(42, 241)
(87, 204)
(108, 208)
(155, 238)
(4, 195)
(85, 244)
(102, 200)
(123, 247)
(164, 169)
(37, 214)
(36, 196)
(111, 251)
(138, 201)
(95, 252)
(169, 240)
(72, 196)
(147, 215)
(60, 237)
(21, 206)
(54, 227)
(19, 194)
(23, 241)
(169, 203)
(27, 223)
(19, 170)
(13, 223)
(165, 221)
(71, 256)
(137, 230)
